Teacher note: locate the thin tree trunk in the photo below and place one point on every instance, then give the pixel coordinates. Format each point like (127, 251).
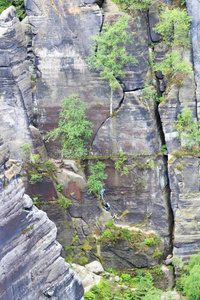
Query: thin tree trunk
(111, 104)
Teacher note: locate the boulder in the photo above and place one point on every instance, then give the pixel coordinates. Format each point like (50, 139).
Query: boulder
(95, 267)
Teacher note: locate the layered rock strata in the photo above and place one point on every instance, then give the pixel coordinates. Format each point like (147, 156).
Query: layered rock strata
(30, 263)
(15, 83)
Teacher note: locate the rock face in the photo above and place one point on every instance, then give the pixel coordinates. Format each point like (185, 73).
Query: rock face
(185, 200)
(15, 84)
(193, 8)
(158, 190)
(30, 262)
(132, 131)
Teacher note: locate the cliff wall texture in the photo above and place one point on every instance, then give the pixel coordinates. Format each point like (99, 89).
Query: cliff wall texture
(161, 190)
(30, 262)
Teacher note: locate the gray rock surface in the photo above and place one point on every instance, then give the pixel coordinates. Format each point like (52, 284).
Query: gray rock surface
(132, 131)
(193, 8)
(30, 262)
(185, 201)
(15, 84)
(95, 267)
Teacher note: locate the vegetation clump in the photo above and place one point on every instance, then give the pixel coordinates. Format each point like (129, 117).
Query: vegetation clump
(74, 130)
(136, 238)
(96, 178)
(131, 5)
(19, 5)
(173, 68)
(109, 55)
(174, 27)
(188, 130)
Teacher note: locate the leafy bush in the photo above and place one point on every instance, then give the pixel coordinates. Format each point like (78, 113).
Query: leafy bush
(63, 201)
(109, 55)
(34, 177)
(95, 180)
(187, 129)
(19, 5)
(26, 152)
(171, 66)
(174, 26)
(119, 164)
(131, 5)
(73, 128)
(149, 241)
(59, 187)
(89, 296)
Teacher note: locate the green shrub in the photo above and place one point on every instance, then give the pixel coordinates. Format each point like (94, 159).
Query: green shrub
(59, 187)
(119, 164)
(187, 129)
(172, 66)
(34, 177)
(19, 5)
(26, 152)
(174, 27)
(132, 5)
(149, 241)
(109, 54)
(95, 180)
(73, 129)
(63, 201)
(89, 296)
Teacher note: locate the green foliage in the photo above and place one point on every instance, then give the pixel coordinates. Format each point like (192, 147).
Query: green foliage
(187, 129)
(26, 152)
(119, 164)
(148, 92)
(73, 128)
(174, 27)
(135, 238)
(172, 67)
(109, 53)
(132, 5)
(96, 178)
(59, 187)
(19, 5)
(163, 149)
(34, 177)
(35, 158)
(63, 201)
(149, 241)
(89, 296)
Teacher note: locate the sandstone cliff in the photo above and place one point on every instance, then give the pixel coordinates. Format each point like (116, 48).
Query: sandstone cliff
(30, 263)
(161, 191)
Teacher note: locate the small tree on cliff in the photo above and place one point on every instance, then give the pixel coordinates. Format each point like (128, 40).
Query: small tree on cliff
(73, 128)
(109, 54)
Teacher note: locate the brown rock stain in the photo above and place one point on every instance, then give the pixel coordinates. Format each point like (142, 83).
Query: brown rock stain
(54, 6)
(74, 10)
(74, 191)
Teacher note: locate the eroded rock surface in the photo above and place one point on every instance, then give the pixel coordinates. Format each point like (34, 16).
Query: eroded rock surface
(30, 262)
(185, 201)
(15, 83)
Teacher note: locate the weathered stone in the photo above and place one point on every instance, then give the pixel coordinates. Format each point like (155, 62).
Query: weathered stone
(193, 8)
(185, 201)
(38, 143)
(132, 131)
(88, 278)
(30, 262)
(169, 277)
(95, 267)
(15, 84)
(153, 19)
